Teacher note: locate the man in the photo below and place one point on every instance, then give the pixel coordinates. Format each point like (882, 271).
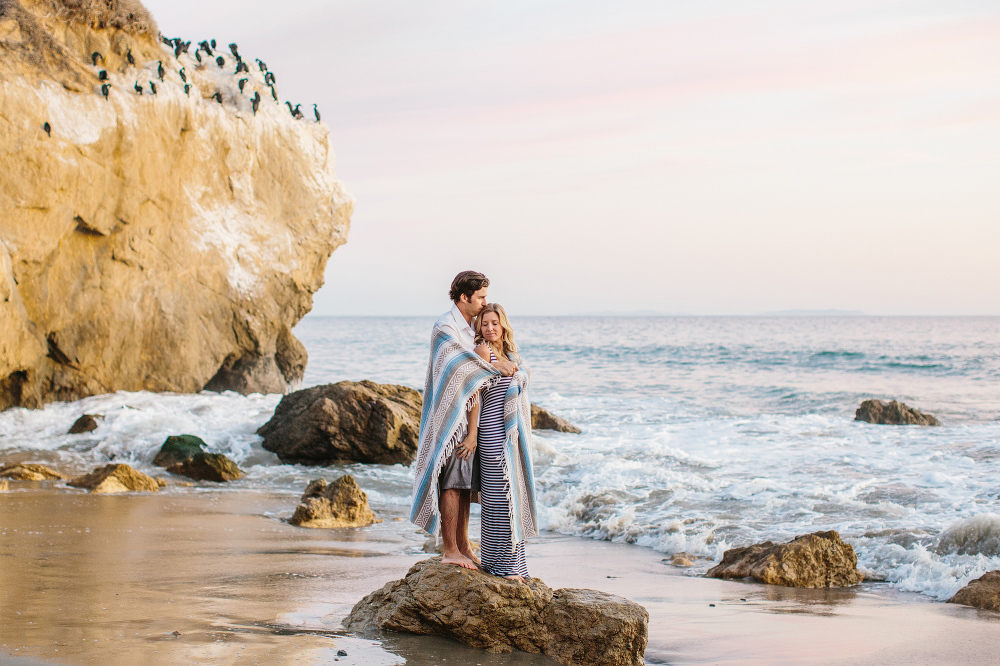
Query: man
(443, 473)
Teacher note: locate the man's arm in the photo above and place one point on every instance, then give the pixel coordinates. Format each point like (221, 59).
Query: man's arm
(504, 366)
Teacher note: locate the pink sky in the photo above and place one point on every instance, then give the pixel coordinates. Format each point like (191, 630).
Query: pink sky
(705, 158)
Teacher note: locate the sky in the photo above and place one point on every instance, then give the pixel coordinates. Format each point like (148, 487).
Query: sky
(709, 157)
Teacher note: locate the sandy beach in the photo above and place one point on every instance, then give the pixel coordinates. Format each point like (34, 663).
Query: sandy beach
(109, 579)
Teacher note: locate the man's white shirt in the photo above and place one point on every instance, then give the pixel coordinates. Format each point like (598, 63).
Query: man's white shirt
(454, 322)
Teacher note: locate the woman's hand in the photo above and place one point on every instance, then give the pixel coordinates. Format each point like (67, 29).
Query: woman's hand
(468, 446)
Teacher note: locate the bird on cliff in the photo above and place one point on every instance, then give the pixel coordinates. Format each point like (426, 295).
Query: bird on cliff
(105, 89)
(159, 69)
(289, 107)
(187, 89)
(255, 102)
(220, 61)
(261, 65)
(232, 47)
(297, 114)
(138, 88)
(218, 97)
(213, 43)
(178, 44)
(269, 79)
(241, 83)
(165, 40)
(94, 56)
(102, 75)
(152, 87)
(316, 111)
(184, 77)
(197, 55)
(242, 67)
(47, 128)
(204, 45)
(274, 94)
(128, 56)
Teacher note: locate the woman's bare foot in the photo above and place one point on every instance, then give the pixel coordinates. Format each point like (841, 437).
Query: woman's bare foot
(459, 560)
(515, 578)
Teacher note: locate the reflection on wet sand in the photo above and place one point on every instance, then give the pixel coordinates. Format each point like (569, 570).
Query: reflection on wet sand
(191, 578)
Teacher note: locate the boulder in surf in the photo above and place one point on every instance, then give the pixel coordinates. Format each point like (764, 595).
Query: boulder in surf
(345, 422)
(983, 592)
(208, 467)
(542, 419)
(820, 559)
(892, 413)
(29, 472)
(178, 449)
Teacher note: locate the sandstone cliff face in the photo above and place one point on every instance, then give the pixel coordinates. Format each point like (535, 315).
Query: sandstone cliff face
(162, 242)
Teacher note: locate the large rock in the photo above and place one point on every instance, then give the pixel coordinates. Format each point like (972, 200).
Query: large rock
(983, 592)
(150, 243)
(207, 467)
(178, 449)
(820, 559)
(542, 419)
(348, 421)
(892, 413)
(115, 478)
(29, 472)
(338, 504)
(571, 626)
(86, 423)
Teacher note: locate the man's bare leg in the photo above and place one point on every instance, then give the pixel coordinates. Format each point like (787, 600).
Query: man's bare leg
(450, 521)
(464, 545)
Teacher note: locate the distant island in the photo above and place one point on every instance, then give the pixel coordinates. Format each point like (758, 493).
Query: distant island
(813, 313)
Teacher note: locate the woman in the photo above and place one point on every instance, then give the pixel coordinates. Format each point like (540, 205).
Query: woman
(503, 449)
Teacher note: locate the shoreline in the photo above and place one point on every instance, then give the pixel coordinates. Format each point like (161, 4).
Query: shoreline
(91, 579)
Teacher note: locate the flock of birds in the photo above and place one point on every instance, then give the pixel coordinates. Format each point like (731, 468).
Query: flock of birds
(208, 46)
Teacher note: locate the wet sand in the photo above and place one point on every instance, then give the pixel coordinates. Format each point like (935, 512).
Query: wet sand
(108, 579)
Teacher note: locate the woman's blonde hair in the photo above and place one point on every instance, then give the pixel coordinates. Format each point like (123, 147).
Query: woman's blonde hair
(507, 338)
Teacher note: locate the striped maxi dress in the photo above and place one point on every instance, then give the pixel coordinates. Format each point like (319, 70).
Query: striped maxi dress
(494, 544)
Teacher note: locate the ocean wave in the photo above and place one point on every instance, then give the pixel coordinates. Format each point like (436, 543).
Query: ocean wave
(978, 535)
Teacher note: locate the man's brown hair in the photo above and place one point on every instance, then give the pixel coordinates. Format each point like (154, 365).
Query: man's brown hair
(468, 283)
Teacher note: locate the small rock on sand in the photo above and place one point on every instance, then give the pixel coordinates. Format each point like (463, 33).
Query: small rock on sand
(29, 472)
(892, 413)
(820, 559)
(3, 486)
(208, 467)
(983, 592)
(338, 504)
(86, 423)
(682, 560)
(115, 478)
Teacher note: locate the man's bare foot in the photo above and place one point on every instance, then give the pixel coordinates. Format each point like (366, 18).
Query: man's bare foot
(459, 560)
(472, 556)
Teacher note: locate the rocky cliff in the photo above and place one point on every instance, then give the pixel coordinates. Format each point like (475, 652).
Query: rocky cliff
(161, 242)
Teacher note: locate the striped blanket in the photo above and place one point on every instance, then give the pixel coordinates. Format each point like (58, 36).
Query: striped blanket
(455, 377)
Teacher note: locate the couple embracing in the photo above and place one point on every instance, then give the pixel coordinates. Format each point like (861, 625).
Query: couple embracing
(475, 436)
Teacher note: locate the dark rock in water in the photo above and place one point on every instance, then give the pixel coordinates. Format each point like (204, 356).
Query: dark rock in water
(984, 592)
(569, 625)
(178, 449)
(29, 472)
(348, 421)
(338, 504)
(545, 420)
(208, 467)
(892, 413)
(115, 479)
(86, 423)
(820, 559)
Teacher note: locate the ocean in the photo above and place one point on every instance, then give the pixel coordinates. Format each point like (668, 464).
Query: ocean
(699, 433)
